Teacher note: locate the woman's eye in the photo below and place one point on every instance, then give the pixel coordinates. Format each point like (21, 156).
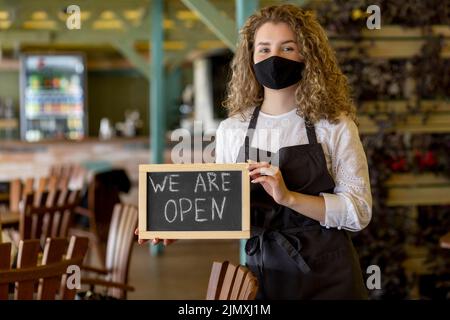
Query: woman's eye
(288, 49)
(264, 50)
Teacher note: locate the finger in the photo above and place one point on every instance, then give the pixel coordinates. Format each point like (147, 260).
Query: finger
(155, 241)
(258, 165)
(254, 174)
(268, 179)
(268, 171)
(251, 162)
(136, 232)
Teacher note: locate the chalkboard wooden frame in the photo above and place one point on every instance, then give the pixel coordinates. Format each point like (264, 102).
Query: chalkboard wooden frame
(244, 233)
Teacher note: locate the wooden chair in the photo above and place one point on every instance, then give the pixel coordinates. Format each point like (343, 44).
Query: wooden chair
(43, 209)
(44, 281)
(47, 214)
(75, 176)
(72, 175)
(20, 189)
(230, 282)
(118, 253)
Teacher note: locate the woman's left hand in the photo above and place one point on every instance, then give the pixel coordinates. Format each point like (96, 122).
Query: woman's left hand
(271, 179)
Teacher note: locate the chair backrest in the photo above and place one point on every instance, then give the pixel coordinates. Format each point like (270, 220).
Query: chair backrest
(230, 282)
(47, 214)
(70, 174)
(41, 281)
(19, 189)
(119, 246)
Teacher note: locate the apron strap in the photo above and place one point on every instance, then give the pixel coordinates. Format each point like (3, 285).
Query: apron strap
(249, 135)
(310, 131)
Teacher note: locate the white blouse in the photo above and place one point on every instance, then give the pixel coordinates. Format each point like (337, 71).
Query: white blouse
(350, 206)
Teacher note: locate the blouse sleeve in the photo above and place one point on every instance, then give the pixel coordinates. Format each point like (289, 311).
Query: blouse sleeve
(350, 206)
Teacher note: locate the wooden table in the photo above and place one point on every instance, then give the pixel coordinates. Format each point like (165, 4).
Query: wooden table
(9, 218)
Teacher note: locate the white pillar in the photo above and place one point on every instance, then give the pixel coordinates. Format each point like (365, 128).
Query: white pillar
(203, 95)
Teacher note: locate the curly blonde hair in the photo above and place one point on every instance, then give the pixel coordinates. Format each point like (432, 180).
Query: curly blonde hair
(323, 92)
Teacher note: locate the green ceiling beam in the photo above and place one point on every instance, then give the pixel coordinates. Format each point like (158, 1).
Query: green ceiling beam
(223, 27)
(19, 36)
(84, 36)
(125, 45)
(127, 49)
(176, 59)
(245, 8)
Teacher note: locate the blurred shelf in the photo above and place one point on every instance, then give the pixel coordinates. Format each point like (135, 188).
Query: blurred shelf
(392, 41)
(416, 180)
(435, 123)
(93, 65)
(418, 190)
(56, 93)
(388, 49)
(426, 196)
(416, 261)
(54, 115)
(398, 31)
(401, 106)
(8, 124)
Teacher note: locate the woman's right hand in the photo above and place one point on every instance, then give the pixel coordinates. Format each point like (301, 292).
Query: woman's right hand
(155, 241)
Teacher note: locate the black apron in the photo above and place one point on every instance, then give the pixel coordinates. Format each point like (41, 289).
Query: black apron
(293, 256)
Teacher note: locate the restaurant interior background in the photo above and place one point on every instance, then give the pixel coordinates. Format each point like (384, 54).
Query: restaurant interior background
(94, 99)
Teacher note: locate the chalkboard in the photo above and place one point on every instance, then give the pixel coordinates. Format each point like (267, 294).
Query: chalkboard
(194, 201)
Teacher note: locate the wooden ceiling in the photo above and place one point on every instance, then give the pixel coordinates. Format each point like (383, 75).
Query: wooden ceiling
(40, 24)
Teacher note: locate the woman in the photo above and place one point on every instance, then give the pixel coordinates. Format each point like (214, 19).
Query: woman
(291, 118)
(291, 115)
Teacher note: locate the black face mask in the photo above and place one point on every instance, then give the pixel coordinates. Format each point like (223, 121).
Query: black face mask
(278, 73)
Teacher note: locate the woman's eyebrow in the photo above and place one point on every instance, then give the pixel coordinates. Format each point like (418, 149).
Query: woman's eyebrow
(268, 43)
